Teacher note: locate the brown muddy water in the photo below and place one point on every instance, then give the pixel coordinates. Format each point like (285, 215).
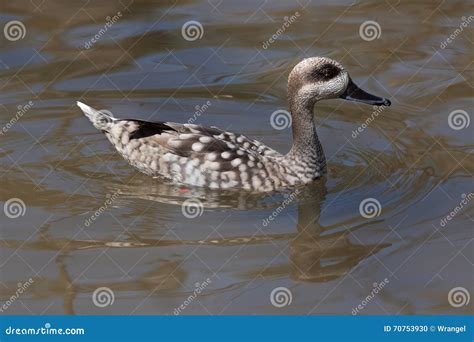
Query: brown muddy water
(84, 233)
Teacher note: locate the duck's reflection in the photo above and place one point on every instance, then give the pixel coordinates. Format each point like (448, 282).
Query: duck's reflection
(144, 188)
(316, 254)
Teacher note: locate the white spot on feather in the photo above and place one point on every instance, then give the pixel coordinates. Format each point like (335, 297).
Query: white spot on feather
(256, 182)
(168, 157)
(236, 162)
(205, 140)
(124, 139)
(198, 147)
(176, 143)
(211, 156)
(214, 175)
(214, 165)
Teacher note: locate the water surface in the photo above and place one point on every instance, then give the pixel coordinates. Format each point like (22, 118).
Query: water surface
(319, 247)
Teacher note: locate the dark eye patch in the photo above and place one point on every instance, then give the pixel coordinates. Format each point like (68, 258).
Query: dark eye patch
(325, 72)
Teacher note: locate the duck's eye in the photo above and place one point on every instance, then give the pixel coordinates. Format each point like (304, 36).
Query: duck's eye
(325, 72)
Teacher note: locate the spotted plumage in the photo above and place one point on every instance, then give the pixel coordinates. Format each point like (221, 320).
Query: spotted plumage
(209, 157)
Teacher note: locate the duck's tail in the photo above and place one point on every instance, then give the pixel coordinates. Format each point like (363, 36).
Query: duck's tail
(101, 119)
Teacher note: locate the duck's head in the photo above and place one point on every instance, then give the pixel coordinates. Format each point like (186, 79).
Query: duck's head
(319, 78)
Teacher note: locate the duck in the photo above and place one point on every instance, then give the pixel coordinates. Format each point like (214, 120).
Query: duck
(192, 155)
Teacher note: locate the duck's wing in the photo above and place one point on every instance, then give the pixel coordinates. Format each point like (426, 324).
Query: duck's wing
(181, 139)
(189, 138)
(194, 141)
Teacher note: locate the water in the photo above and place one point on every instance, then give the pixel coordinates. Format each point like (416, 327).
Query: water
(140, 246)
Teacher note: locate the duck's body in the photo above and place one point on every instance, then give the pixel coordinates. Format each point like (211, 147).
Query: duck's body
(202, 156)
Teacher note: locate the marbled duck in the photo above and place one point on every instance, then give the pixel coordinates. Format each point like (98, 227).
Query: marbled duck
(207, 156)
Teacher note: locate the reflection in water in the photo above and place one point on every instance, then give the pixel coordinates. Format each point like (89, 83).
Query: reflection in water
(315, 255)
(141, 187)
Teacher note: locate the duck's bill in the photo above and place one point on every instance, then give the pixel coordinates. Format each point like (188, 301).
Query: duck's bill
(354, 93)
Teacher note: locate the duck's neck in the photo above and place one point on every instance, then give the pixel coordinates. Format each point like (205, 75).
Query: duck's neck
(307, 149)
